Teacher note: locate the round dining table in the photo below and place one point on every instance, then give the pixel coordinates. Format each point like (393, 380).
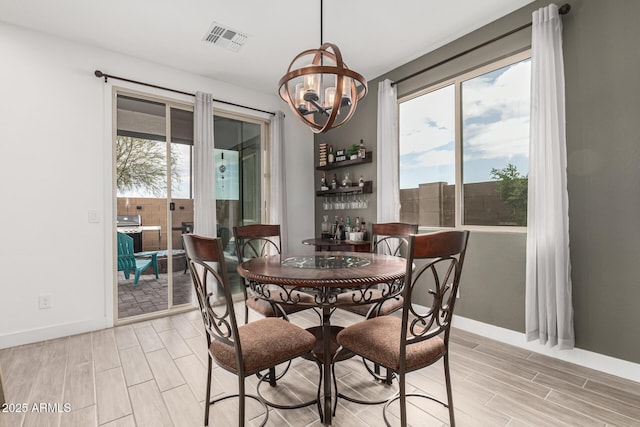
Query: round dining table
(325, 275)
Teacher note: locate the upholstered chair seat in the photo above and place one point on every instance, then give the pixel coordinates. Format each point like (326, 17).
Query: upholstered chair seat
(378, 340)
(265, 343)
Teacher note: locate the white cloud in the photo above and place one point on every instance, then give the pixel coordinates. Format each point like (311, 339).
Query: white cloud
(427, 122)
(509, 93)
(497, 114)
(505, 138)
(432, 158)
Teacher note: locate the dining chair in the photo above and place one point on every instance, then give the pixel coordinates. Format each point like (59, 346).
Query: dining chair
(257, 240)
(389, 239)
(421, 336)
(243, 350)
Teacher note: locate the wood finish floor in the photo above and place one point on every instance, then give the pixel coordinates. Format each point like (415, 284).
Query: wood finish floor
(153, 373)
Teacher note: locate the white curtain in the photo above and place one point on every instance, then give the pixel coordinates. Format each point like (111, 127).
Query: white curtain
(388, 160)
(204, 209)
(278, 192)
(549, 309)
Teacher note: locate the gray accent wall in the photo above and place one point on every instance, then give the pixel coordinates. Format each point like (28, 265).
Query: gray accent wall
(602, 64)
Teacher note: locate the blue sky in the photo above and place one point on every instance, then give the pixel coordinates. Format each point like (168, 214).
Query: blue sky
(495, 128)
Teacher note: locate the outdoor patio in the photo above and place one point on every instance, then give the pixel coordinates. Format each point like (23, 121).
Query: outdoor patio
(151, 294)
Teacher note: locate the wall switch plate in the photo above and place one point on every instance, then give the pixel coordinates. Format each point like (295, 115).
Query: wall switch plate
(93, 216)
(44, 301)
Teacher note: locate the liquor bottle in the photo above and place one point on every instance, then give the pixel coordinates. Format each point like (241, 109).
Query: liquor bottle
(331, 157)
(347, 227)
(324, 226)
(361, 181)
(341, 232)
(362, 152)
(323, 183)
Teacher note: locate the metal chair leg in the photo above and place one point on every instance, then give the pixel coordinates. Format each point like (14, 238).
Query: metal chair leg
(241, 402)
(403, 399)
(207, 402)
(447, 378)
(272, 376)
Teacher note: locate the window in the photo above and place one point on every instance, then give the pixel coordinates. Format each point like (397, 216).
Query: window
(464, 148)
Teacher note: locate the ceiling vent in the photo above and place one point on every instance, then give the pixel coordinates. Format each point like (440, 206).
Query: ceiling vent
(225, 37)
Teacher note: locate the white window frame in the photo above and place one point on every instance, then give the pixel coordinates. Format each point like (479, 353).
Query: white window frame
(459, 185)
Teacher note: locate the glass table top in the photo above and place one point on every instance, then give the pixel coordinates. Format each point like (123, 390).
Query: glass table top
(326, 261)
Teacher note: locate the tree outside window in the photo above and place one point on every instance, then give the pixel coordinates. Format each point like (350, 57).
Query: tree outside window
(513, 190)
(141, 166)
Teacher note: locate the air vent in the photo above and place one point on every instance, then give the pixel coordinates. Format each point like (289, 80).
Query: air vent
(225, 37)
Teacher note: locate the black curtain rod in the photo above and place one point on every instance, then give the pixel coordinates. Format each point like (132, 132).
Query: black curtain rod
(100, 74)
(563, 10)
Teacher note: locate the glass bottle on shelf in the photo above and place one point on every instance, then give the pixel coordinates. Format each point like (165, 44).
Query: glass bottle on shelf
(346, 182)
(334, 182)
(362, 152)
(324, 227)
(331, 157)
(323, 182)
(341, 233)
(361, 181)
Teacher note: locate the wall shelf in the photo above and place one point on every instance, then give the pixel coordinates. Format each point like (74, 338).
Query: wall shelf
(335, 165)
(368, 188)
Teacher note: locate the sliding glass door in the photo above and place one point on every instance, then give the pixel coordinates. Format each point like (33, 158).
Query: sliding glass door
(153, 156)
(239, 142)
(153, 149)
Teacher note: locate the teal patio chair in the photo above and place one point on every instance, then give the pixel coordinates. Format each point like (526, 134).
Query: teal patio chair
(128, 261)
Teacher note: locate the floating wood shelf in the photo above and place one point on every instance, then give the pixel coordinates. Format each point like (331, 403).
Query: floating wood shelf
(335, 165)
(368, 188)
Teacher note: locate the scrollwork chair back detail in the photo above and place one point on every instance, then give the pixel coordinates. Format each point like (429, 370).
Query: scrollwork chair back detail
(257, 240)
(252, 241)
(209, 274)
(443, 275)
(391, 238)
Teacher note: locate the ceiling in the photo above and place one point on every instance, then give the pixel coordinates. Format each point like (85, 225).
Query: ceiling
(374, 36)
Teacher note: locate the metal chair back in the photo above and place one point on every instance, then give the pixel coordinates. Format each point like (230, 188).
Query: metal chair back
(391, 238)
(431, 286)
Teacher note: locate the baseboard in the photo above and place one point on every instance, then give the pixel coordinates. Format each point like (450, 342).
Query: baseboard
(588, 359)
(53, 331)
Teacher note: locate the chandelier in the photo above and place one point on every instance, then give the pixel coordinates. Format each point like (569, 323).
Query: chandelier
(319, 87)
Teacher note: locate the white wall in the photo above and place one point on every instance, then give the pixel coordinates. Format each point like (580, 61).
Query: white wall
(55, 166)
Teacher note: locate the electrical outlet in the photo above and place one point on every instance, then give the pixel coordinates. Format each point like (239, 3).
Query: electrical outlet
(44, 301)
